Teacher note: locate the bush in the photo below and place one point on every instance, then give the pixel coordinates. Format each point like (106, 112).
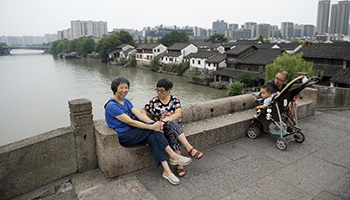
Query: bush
(155, 64)
(234, 89)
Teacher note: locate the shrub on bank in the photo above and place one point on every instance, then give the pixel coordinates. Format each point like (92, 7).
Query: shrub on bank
(234, 89)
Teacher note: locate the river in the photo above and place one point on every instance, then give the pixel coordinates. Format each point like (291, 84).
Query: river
(35, 89)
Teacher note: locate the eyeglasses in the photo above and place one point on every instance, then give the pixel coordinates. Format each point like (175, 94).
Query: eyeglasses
(159, 90)
(278, 79)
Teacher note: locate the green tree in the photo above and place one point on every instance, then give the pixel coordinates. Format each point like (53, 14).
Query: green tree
(217, 38)
(261, 38)
(151, 41)
(155, 64)
(85, 46)
(291, 64)
(140, 40)
(108, 44)
(174, 37)
(234, 89)
(145, 40)
(266, 41)
(245, 77)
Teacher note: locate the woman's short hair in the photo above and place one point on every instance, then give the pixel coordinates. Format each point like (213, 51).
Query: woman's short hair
(165, 83)
(117, 81)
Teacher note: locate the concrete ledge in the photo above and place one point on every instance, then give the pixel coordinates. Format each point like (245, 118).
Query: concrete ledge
(36, 161)
(206, 125)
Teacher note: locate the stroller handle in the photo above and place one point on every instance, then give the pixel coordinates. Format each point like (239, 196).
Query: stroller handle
(315, 79)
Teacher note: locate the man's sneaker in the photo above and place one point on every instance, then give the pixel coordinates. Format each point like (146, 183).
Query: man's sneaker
(171, 178)
(181, 161)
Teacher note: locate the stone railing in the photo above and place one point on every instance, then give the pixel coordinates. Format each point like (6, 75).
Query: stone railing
(86, 144)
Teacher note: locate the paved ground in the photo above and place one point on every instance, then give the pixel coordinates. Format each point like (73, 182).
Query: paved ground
(243, 169)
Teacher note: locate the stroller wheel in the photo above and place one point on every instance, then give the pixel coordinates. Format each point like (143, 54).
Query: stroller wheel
(299, 137)
(281, 144)
(253, 132)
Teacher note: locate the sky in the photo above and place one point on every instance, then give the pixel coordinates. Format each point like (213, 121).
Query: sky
(39, 17)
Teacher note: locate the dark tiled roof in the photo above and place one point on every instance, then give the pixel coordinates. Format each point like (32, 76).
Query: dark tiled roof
(202, 43)
(147, 46)
(128, 51)
(235, 73)
(328, 70)
(217, 58)
(288, 46)
(178, 46)
(247, 42)
(264, 45)
(172, 54)
(203, 54)
(327, 51)
(238, 49)
(261, 57)
(121, 46)
(343, 76)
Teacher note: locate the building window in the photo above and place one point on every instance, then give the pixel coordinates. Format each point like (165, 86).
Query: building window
(192, 61)
(171, 59)
(199, 62)
(158, 50)
(155, 50)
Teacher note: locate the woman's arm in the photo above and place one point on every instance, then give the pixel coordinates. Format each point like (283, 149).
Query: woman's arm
(176, 116)
(158, 126)
(141, 116)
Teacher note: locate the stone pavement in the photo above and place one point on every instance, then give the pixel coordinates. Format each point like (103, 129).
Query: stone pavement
(243, 169)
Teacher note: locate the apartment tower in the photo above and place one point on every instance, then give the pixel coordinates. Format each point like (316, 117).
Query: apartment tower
(323, 16)
(340, 18)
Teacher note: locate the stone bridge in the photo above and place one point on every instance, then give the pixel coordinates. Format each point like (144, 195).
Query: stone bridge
(8, 49)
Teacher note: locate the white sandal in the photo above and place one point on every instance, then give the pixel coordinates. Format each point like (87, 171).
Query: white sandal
(171, 178)
(181, 161)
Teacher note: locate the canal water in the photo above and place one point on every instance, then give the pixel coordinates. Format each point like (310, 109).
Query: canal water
(35, 89)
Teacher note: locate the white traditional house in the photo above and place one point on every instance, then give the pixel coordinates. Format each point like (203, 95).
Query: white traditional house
(121, 54)
(198, 60)
(177, 52)
(217, 62)
(145, 53)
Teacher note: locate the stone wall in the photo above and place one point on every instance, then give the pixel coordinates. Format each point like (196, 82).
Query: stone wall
(332, 97)
(39, 160)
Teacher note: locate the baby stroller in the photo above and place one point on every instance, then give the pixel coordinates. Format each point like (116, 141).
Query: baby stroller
(278, 119)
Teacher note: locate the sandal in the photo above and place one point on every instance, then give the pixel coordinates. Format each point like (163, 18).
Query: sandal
(197, 155)
(181, 161)
(171, 178)
(181, 172)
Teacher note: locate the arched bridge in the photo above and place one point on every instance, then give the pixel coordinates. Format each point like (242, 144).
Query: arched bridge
(8, 49)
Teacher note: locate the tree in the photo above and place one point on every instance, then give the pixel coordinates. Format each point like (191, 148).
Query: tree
(145, 40)
(245, 77)
(140, 40)
(234, 89)
(291, 64)
(217, 38)
(108, 44)
(261, 38)
(85, 46)
(174, 37)
(151, 41)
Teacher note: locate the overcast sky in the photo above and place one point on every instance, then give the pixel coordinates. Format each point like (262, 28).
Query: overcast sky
(38, 17)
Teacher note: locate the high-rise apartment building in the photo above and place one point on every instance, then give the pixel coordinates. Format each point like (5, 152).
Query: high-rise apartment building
(264, 30)
(220, 26)
(248, 25)
(88, 28)
(287, 29)
(211, 32)
(308, 30)
(232, 27)
(340, 18)
(323, 16)
(198, 31)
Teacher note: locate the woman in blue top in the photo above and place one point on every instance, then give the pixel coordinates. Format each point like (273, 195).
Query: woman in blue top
(118, 112)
